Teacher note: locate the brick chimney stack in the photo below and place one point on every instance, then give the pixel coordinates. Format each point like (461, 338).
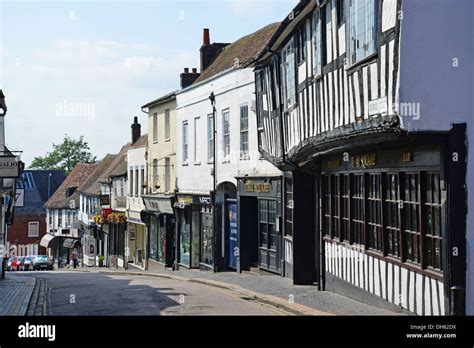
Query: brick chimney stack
(209, 51)
(136, 130)
(187, 78)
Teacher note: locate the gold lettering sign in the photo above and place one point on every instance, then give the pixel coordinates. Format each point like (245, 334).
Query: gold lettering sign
(185, 199)
(364, 161)
(257, 187)
(333, 164)
(407, 157)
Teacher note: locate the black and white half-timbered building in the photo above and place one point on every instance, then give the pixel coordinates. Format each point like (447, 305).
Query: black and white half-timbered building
(364, 105)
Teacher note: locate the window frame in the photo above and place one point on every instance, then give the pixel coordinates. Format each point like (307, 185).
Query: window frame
(31, 223)
(351, 30)
(167, 125)
(288, 68)
(196, 149)
(244, 153)
(226, 136)
(210, 138)
(185, 142)
(155, 127)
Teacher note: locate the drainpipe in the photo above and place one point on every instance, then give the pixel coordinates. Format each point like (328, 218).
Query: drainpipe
(212, 98)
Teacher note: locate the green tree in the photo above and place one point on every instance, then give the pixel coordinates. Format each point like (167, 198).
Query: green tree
(65, 155)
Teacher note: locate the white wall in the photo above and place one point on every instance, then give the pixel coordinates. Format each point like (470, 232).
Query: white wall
(436, 71)
(232, 90)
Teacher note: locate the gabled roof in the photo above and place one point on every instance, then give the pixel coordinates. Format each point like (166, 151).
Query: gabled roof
(165, 98)
(142, 141)
(246, 50)
(91, 186)
(78, 175)
(115, 168)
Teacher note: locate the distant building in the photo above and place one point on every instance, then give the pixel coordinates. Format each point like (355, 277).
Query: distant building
(33, 189)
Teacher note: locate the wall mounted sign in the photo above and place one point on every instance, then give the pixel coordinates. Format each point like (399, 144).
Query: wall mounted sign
(257, 187)
(364, 161)
(104, 200)
(9, 167)
(121, 202)
(199, 200)
(407, 157)
(19, 197)
(333, 164)
(378, 106)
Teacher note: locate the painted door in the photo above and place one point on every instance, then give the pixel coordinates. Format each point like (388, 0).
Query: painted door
(233, 246)
(269, 236)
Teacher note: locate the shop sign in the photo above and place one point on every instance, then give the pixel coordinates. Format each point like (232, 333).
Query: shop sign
(364, 161)
(9, 167)
(121, 202)
(19, 197)
(333, 164)
(199, 200)
(257, 187)
(378, 106)
(407, 157)
(104, 200)
(185, 199)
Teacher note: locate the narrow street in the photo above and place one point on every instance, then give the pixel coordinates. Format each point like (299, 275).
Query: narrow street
(79, 293)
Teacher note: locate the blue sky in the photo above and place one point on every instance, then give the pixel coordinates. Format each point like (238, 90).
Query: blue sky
(85, 68)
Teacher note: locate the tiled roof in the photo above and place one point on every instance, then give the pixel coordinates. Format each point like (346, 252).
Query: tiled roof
(78, 175)
(91, 186)
(142, 141)
(115, 168)
(246, 49)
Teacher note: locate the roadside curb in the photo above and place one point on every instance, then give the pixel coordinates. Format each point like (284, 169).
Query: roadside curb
(294, 308)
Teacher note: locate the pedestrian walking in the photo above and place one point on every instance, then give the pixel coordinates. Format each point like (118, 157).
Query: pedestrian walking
(75, 257)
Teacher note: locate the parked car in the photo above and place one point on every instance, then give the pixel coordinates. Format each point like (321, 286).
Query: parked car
(19, 261)
(12, 264)
(42, 262)
(26, 264)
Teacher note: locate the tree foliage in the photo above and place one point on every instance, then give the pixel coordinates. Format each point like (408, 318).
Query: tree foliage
(65, 155)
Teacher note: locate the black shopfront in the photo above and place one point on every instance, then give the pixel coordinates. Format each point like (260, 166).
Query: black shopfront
(159, 218)
(259, 236)
(194, 231)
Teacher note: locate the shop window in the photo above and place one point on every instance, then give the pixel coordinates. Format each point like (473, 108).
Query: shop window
(358, 208)
(412, 217)
(326, 205)
(263, 218)
(207, 238)
(433, 238)
(392, 220)
(289, 207)
(374, 218)
(345, 207)
(335, 206)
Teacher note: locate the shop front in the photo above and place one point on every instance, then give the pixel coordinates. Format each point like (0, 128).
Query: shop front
(160, 221)
(136, 243)
(259, 214)
(384, 225)
(194, 231)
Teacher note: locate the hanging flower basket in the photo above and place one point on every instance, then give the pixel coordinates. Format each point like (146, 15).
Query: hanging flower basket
(117, 217)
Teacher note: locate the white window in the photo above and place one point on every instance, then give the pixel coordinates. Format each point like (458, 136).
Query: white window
(69, 218)
(317, 43)
(244, 131)
(155, 173)
(60, 218)
(33, 229)
(167, 124)
(361, 29)
(130, 179)
(288, 61)
(142, 180)
(155, 127)
(185, 141)
(226, 133)
(210, 137)
(197, 150)
(167, 174)
(137, 183)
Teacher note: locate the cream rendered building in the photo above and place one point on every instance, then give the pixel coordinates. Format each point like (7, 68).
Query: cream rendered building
(161, 176)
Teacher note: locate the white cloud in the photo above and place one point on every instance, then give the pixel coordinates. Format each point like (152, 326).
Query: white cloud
(117, 78)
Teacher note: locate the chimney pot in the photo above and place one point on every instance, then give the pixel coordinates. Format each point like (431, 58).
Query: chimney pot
(194, 71)
(186, 70)
(205, 37)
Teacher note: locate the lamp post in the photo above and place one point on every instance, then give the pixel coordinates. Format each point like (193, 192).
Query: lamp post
(212, 98)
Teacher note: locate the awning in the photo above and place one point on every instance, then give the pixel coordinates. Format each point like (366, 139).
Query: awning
(46, 240)
(160, 205)
(70, 242)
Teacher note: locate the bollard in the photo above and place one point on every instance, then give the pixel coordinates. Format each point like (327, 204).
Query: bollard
(457, 300)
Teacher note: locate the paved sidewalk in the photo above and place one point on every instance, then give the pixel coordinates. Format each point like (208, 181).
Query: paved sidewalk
(274, 289)
(15, 294)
